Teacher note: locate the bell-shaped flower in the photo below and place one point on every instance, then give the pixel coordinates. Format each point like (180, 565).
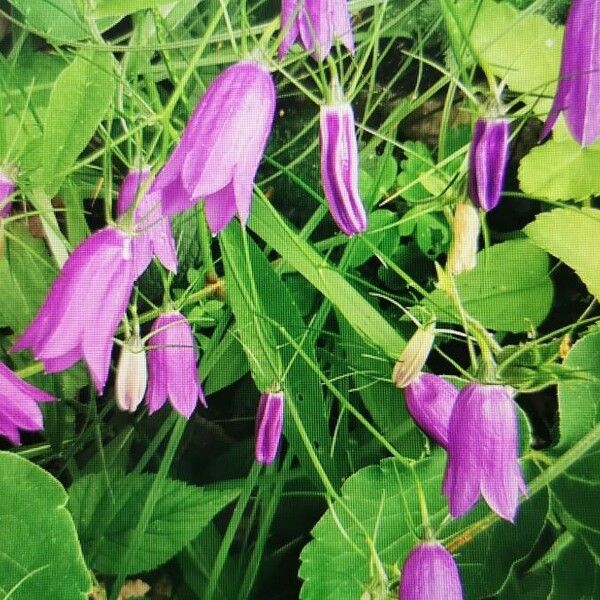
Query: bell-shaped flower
(339, 165)
(7, 187)
(430, 400)
(221, 147)
(84, 306)
(578, 92)
(488, 156)
(18, 405)
(412, 360)
(152, 230)
(466, 227)
(483, 452)
(269, 424)
(318, 23)
(430, 573)
(172, 371)
(132, 374)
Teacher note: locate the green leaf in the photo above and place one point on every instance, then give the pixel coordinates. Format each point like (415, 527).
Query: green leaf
(521, 49)
(58, 19)
(569, 234)
(361, 315)
(377, 175)
(106, 519)
(561, 169)
(338, 563)
(121, 8)
(418, 162)
(509, 289)
(40, 556)
(575, 575)
(579, 401)
(78, 102)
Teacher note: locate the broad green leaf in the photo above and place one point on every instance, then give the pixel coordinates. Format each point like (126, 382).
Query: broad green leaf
(561, 169)
(57, 20)
(571, 234)
(106, 519)
(339, 564)
(521, 49)
(380, 234)
(224, 365)
(509, 289)
(80, 98)
(121, 8)
(361, 315)
(377, 175)
(575, 575)
(418, 162)
(579, 401)
(40, 555)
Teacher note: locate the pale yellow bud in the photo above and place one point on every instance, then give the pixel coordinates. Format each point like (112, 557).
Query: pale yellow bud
(413, 357)
(132, 374)
(465, 239)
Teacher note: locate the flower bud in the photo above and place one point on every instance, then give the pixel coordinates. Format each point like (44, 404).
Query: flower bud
(132, 374)
(487, 162)
(408, 367)
(465, 239)
(430, 573)
(269, 424)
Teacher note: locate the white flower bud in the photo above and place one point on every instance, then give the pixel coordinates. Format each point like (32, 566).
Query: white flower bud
(465, 239)
(132, 374)
(413, 357)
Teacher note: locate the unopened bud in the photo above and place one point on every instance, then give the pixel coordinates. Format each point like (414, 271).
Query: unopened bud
(413, 357)
(269, 424)
(465, 239)
(132, 374)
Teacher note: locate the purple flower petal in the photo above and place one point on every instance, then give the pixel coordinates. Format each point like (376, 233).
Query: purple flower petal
(269, 424)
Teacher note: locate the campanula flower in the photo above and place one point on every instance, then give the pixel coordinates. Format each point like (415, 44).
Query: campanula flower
(578, 92)
(466, 227)
(221, 147)
(18, 405)
(84, 306)
(269, 423)
(430, 573)
(317, 22)
(483, 452)
(487, 162)
(339, 166)
(172, 371)
(430, 400)
(132, 374)
(408, 367)
(7, 187)
(152, 231)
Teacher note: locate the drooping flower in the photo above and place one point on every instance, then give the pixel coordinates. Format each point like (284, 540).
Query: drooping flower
(221, 147)
(172, 372)
(7, 187)
(132, 374)
(578, 92)
(339, 165)
(430, 400)
(269, 424)
(430, 573)
(465, 239)
(408, 367)
(488, 156)
(18, 405)
(483, 452)
(84, 306)
(317, 22)
(152, 231)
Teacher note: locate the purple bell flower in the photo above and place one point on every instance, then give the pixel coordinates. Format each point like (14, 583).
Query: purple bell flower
(18, 405)
(269, 424)
(578, 92)
(430, 400)
(339, 167)
(483, 452)
(84, 306)
(7, 187)
(153, 231)
(221, 147)
(172, 371)
(317, 22)
(430, 573)
(487, 162)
